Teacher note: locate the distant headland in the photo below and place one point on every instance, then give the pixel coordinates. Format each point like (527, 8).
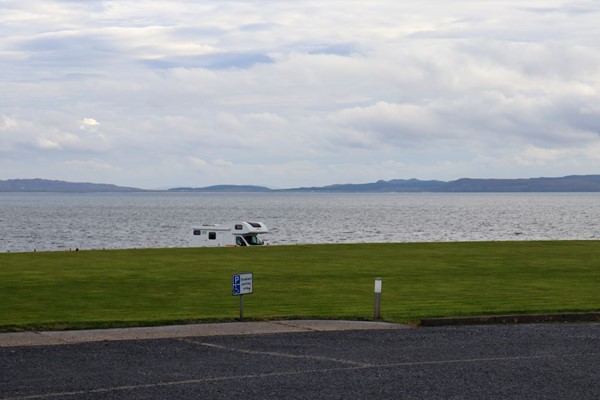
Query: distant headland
(47, 185)
(572, 183)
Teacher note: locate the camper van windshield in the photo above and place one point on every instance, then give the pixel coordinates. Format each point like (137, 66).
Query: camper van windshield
(253, 240)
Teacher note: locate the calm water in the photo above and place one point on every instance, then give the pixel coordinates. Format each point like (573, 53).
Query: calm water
(51, 221)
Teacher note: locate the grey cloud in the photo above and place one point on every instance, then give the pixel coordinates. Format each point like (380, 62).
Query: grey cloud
(472, 123)
(303, 86)
(233, 60)
(82, 76)
(214, 61)
(340, 49)
(72, 50)
(577, 115)
(571, 9)
(385, 123)
(259, 27)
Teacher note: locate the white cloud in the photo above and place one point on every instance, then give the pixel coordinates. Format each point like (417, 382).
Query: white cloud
(48, 144)
(89, 124)
(535, 156)
(7, 123)
(197, 162)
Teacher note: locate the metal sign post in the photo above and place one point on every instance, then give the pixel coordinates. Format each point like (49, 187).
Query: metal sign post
(241, 285)
(241, 307)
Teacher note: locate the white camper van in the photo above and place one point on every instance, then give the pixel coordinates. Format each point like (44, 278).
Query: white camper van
(230, 234)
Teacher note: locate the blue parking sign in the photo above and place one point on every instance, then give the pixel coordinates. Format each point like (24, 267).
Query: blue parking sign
(241, 284)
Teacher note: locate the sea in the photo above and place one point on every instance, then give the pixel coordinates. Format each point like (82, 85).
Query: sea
(69, 221)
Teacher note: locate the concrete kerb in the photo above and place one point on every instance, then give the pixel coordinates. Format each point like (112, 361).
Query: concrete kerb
(512, 319)
(49, 338)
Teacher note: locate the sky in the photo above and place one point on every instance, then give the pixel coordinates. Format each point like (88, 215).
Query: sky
(158, 94)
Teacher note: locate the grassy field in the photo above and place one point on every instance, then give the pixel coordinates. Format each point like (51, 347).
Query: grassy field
(107, 288)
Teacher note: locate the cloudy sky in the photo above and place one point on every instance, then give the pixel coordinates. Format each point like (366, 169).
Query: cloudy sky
(157, 93)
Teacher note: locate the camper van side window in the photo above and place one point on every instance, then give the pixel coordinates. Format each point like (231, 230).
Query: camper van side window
(212, 235)
(197, 232)
(239, 227)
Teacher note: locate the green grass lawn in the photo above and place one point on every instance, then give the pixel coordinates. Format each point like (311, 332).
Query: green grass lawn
(106, 288)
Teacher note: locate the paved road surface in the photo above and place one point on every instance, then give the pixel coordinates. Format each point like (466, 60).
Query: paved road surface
(555, 361)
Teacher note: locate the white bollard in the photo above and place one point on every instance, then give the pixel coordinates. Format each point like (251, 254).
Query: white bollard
(377, 311)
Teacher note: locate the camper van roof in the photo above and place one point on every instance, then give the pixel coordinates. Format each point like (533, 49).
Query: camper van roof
(238, 226)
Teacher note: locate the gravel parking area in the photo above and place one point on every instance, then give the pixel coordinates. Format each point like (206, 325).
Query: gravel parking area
(548, 361)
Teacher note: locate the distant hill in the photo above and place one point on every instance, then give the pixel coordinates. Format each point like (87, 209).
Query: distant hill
(45, 185)
(395, 185)
(574, 183)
